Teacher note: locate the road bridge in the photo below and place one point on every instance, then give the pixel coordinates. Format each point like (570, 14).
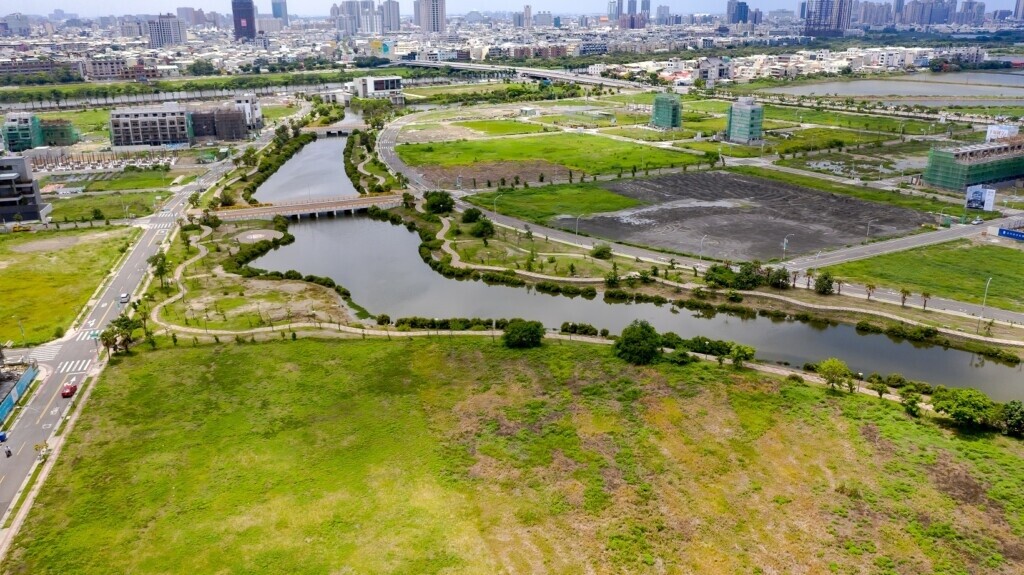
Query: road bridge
(313, 208)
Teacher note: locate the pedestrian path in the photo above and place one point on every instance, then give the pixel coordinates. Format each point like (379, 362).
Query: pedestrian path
(77, 366)
(45, 353)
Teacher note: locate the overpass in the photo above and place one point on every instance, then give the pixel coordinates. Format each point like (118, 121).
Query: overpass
(536, 73)
(313, 208)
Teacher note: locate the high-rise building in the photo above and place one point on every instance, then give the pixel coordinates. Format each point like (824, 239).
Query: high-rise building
(613, 6)
(743, 123)
(244, 15)
(737, 12)
(631, 7)
(667, 112)
(1018, 12)
(17, 24)
(645, 9)
(803, 10)
(187, 15)
(392, 19)
(280, 10)
(663, 14)
(434, 18)
(22, 131)
(167, 30)
(417, 13)
(828, 17)
(527, 16)
(897, 11)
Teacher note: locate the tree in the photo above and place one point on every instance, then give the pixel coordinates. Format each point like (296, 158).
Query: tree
(925, 296)
(158, 262)
(966, 407)
(834, 372)
(108, 339)
(471, 215)
(521, 334)
(739, 354)
(601, 252)
(201, 68)
(911, 402)
(484, 228)
(879, 387)
(97, 214)
(1012, 418)
(124, 327)
(639, 343)
(904, 294)
(439, 202)
(824, 284)
(193, 199)
(870, 289)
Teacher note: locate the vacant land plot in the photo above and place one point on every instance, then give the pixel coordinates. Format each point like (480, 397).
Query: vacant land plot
(111, 205)
(713, 106)
(822, 138)
(853, 121)
(595, 120)
(459, 456)
(48, 277)
(501, 127)
(956, 270)
(725, 148)
(649, 135)
(145, 180)
(744, 217)
(271, 113)
(553, 155)
(87, 121)
(540, 204)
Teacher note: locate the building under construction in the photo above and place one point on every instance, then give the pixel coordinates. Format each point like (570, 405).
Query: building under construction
(957, 168)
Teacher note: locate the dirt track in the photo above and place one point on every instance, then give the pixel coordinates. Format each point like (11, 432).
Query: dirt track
(744, 217)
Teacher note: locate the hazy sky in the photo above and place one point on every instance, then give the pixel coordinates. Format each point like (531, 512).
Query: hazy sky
(321, 7)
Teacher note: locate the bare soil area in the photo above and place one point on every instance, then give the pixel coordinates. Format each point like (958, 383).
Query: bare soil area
(494, 171)
(744, 217)
(62, 241)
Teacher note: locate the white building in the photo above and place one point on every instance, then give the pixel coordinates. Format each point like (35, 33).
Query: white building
(250, 106)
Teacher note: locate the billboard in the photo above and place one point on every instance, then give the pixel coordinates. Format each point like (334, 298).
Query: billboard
(1000, 132)
(980, 198)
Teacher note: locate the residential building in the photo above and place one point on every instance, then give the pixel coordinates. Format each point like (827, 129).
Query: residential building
(105, 67)
(166, 124)
(544, 19)
(17, 24)
(828, 17)
(22, 131)
(744, 122)
(1018, 11)
(167, 30)
(23, 66)
(244, 14)
(667, 112)
(279, 8)
(527, 16)
(391, 17)
(269, 25)
(19, 191)
(249, 105)
(186, 15)
(959, 167)
(435, 20)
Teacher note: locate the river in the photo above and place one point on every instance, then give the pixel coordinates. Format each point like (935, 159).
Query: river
(380, 265)
(973, 84)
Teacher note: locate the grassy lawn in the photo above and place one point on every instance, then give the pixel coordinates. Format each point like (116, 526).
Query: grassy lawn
(713, 106)
(540, 204)
(732, 150)
(1008, 111)
(920, 203)
(87, 121)
(853, 121)
(133, 181)
(706, 124)
(48, 276)
(466, 88)
(820, 138)
(271, 113)
(586, 120)
(501, 127)
(650, 135)
(956, 270)
(460, 456)
(113, 205)
(583, 152)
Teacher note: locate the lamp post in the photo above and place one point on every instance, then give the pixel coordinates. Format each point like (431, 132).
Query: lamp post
(24, 342)
(868, 233)
(578, 227)
(700, 256)
(984, 301)
(494, 205)
(785, 244)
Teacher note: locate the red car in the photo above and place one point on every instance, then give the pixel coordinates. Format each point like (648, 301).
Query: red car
(69, 390)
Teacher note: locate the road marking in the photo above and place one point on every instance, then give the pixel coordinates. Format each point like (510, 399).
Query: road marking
(2, 477)
(56, 392)
(45, 353)
(88, 335)
(20, 448)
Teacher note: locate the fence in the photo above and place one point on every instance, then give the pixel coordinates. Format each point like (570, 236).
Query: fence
(7, 405)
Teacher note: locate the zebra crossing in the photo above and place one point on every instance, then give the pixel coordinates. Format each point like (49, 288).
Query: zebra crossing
(77, 366)
(45, 353)
(87, 335)
(161, 225)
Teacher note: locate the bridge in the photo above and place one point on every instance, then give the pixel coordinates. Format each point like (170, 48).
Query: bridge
(328, 131)
(312, 208)
(536, 73)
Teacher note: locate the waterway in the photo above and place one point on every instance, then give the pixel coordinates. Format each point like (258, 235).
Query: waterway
(380, 265)
(972, 84)
(317, 171)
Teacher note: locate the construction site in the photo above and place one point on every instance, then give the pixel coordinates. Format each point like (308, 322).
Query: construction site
(990, 162)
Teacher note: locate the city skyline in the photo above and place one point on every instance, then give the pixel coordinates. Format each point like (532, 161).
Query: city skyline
(316, 8)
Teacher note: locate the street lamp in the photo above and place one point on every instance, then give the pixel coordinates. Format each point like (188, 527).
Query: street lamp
(868, 233)
(984, 300)
(24, 342)
(785, 244)
(578, 226)
(494, 206)
(700, 256)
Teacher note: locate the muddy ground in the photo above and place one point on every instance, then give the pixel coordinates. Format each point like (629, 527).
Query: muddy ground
(744, 217)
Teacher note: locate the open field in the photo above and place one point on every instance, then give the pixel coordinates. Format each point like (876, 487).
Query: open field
(744, 217)
(48, 276)
(466, 88)
(133, 181)
(822, 138)
(271, 113)
(553, 155)
(540, 204)
(650, 135)
(713, 106)
(920, 203)
(1012, 112)
(87, 121)
(113, 205)
(727, 149)
(956, 270)
(501, 127)
(594, 120)
(459, 456)
(873, 123)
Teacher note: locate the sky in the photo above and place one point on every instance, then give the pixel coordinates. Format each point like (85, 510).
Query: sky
(321, 7)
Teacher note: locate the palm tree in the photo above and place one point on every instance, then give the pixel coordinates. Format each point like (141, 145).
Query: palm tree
(925, 296)
(108, 338)
(160, 267)
(904, 294)
(870, 289)
(809, 275)
(839, 286)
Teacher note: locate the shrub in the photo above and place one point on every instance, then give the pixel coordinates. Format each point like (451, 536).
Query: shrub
(966, 407)
(824, 284)
(439, 202)
(639, 343)
(471, 216)
(521, 334)
(383, 319)
(601, 252)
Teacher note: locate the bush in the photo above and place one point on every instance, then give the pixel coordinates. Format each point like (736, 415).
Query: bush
(471, 216)
(483, 228)
(521, 334)
(601, 252)
(966, 407)
(383, 319)
(680, 357)
(639, 343)
(439, 202)
(824, 284)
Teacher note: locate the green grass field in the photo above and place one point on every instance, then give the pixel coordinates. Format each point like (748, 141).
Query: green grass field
(459, 456)
(87, 121)
(271, 113)
(650, 135)
(955, 270)
(853, 121)
(501, 127)
(48, 276)
(465, 88)
(133, 181)
(540, 204)
(583, 152)
(713, 106)
(1008, 111)
(585, 120)
(731, 150)
(820, 138)
(113, 205)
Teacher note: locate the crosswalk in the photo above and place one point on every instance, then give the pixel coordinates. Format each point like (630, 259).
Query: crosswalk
(77, 366)
(45, 353)
(161, 225)
(87, 335)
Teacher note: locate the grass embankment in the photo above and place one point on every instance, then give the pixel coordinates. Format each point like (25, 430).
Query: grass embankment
(822, 138)
(540, 204)
(501, 127)
(438, 456)
(113, 205)
(143, 180)
(582, 152)
(48, 276)
(956, 270)
(920, 203)
(427, 92)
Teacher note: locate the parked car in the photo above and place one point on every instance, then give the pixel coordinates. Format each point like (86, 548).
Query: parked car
(69, 390)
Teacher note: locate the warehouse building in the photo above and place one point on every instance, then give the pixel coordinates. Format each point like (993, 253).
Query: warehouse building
(959, 167)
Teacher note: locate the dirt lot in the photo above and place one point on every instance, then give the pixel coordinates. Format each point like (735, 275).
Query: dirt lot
(745, 218)
(493, 171)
